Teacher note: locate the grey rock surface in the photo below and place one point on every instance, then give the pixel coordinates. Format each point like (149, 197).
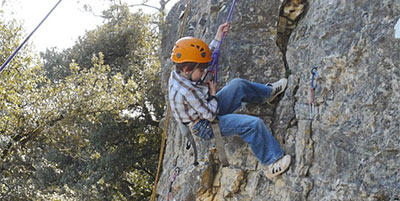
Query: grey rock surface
(347, 149)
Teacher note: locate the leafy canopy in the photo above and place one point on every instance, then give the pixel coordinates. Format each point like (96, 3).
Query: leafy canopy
(85, 125)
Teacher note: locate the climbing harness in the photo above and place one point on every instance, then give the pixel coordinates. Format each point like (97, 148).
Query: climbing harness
(314, 76)
(176, 173)
(219, 143)
(27, 38)
(164, 136)
(190, 143)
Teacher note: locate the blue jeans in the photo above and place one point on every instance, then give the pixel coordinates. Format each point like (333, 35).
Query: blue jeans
(251, 129)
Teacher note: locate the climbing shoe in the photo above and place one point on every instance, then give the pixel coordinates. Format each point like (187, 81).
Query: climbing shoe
(277, 168)
(277, 88)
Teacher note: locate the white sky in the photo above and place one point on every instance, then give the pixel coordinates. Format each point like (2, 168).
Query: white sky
(64, 25)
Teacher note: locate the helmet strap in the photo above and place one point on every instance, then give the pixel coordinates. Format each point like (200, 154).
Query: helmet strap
(191, 73)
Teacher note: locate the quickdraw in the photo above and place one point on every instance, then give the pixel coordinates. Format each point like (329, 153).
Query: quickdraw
(314, 76)
(173, 178)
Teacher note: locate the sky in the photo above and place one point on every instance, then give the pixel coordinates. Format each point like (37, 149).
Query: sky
(67, 22)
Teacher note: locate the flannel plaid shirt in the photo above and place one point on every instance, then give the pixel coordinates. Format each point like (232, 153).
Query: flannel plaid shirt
(190, 101)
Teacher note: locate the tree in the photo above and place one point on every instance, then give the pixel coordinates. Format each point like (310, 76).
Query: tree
(160, 10)
(123, 39)
(90, 132)
(19, 80)
(78, 131)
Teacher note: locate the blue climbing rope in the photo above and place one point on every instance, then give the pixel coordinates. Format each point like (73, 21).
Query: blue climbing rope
(27, 38)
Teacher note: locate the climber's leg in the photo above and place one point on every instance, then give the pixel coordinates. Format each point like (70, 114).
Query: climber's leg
(251, 129)
(240, 90)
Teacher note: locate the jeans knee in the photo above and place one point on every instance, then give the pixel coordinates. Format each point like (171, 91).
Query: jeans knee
(258, 121)
(237, 82)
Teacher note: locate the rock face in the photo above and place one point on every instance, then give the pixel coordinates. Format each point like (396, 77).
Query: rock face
(347, 149)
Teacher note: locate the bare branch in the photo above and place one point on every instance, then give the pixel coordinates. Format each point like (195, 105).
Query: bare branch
(144, 4)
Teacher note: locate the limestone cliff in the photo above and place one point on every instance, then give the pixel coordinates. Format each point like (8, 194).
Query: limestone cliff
(348, 148)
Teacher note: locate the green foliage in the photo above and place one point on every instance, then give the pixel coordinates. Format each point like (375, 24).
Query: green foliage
(19, 81)
(127, 40)
(89, 130)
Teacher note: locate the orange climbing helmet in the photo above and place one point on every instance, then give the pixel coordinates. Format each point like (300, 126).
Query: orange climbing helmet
(191, 49)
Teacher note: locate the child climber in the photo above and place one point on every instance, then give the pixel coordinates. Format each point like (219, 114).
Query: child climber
(196, 105)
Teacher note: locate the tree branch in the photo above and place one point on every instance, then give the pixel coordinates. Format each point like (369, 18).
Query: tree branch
(146, 5)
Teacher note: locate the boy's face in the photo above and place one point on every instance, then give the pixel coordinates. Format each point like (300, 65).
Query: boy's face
(197, 73)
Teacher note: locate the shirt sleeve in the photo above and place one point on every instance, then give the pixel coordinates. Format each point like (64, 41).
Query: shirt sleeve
(213, 45)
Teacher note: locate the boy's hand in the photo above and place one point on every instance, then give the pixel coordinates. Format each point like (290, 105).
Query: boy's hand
(222, 29)
(213, 87)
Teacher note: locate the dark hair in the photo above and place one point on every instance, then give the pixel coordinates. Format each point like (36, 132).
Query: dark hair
(190, 66)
